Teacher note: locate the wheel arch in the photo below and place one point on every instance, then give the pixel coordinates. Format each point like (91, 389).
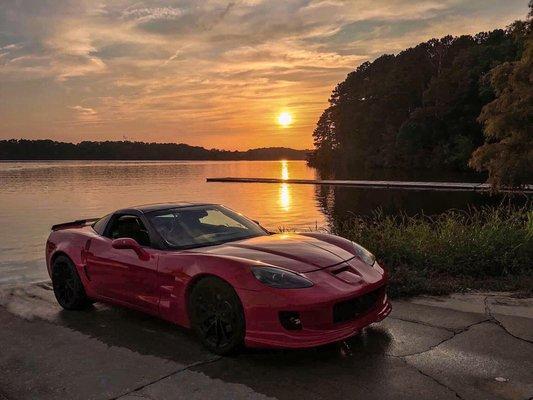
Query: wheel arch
(199, 277)
(54, 257)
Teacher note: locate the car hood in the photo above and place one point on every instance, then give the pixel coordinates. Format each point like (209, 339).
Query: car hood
(291, 251)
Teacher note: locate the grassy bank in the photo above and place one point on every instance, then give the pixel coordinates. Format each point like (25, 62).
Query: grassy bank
(484, 249)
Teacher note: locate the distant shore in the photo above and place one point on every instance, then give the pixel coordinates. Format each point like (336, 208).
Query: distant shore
(46, 150)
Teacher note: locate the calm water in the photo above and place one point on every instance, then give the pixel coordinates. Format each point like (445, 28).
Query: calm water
(35, 195)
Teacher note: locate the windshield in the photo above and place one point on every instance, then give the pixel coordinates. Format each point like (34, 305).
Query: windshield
(197, 226)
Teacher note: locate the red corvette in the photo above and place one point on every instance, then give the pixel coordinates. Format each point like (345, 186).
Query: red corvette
(208, 268)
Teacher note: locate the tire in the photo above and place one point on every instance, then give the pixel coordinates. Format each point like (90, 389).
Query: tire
(68, 289)
(217, 316)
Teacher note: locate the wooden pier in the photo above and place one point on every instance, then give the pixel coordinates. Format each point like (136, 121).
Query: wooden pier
(398, 185)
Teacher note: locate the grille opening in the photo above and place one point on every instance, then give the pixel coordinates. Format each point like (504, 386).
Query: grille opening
(350, 309)
(290, 320)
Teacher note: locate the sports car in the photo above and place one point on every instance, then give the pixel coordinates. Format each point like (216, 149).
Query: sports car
(208, 268)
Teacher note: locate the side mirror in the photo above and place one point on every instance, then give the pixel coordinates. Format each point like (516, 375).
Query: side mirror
(130, 244)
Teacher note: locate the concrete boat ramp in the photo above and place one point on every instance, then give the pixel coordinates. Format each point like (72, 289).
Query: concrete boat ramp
(467, 346)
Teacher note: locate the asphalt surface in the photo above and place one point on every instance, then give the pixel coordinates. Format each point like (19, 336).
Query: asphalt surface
(477, 346)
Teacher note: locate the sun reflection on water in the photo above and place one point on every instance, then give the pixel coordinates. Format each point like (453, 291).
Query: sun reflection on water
(285, 197)
(284, 170)
(284, 190)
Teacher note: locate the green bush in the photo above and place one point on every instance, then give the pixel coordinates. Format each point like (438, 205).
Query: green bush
(488, 248)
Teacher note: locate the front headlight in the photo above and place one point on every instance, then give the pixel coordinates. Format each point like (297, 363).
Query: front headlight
(280, 278)
(364, 254)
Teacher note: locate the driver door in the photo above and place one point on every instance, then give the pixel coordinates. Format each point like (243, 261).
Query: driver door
(119, 274)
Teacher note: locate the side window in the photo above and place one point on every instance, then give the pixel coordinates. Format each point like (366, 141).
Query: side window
(129, 226)
(99, 226)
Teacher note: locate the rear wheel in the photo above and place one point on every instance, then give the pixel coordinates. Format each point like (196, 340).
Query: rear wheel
(216, 315)
(67, 285)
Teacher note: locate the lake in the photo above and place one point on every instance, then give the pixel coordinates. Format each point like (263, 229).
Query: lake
(36, 195)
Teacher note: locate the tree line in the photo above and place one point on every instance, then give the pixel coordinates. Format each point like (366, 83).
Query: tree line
(452, 104)
(23, 149)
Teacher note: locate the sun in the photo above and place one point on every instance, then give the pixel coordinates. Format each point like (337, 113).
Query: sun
(285, 119)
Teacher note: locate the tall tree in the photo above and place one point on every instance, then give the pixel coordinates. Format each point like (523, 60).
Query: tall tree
(507, 154)
(443, 132)
(419, 109)
(324, 140)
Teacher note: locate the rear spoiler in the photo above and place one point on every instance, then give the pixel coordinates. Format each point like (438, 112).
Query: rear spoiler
(72, 224)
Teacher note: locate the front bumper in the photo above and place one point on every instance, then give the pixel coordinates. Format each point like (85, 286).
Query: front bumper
(315, 307)
(317, 337)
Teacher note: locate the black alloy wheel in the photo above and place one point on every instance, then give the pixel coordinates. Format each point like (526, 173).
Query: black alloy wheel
(68, 289)
(216, 315)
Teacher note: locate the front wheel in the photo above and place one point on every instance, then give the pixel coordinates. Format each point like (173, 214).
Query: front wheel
(67, 285)
(216, 315)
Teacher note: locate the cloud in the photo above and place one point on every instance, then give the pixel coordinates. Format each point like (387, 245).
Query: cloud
(84, 110)
(176, 56)
(141, 15)
(12, 46)
(84, 115)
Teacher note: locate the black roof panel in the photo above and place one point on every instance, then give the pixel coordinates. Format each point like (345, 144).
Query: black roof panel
(146, 208)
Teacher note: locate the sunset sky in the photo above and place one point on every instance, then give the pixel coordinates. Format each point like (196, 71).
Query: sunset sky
(210, 73)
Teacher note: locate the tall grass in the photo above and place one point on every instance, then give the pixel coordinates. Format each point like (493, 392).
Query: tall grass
(487, 248)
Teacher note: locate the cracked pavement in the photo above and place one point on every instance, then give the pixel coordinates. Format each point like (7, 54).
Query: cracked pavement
(468, 346)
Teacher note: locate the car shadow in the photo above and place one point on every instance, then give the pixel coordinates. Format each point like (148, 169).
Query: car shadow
(361, 367)
(343, 369)
(148, 335)
(136, 331)
(350, 369)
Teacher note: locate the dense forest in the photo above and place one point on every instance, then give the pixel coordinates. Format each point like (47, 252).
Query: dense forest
(449, 104)
(50, 150)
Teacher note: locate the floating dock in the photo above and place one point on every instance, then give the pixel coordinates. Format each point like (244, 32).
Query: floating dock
(398, 185)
